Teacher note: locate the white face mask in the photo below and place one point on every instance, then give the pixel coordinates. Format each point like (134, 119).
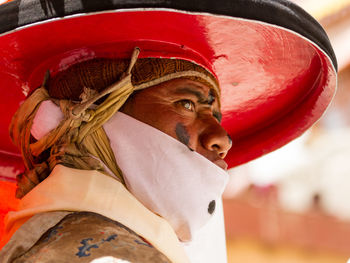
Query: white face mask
(180, 185)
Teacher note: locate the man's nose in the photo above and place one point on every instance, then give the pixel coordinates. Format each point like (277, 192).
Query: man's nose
(215, 138)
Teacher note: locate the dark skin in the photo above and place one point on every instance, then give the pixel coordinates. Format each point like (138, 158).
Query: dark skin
(186, 110)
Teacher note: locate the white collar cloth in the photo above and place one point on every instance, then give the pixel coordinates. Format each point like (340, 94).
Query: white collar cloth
(180, 185)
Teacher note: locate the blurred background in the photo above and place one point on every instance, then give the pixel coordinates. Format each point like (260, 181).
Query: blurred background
(293, 205)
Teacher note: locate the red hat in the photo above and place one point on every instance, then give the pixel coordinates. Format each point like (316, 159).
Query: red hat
(274, 63)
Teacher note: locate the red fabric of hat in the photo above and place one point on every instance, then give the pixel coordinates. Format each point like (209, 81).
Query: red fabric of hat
(274, 63)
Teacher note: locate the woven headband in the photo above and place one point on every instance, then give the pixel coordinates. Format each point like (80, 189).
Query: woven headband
(97, 74)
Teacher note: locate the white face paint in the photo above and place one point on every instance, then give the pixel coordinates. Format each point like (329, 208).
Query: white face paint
(164, 175)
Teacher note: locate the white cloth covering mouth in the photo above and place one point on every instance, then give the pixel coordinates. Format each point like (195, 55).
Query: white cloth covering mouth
(180, 185)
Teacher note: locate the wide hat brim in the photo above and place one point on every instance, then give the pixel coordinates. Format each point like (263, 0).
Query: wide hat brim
(274, 62)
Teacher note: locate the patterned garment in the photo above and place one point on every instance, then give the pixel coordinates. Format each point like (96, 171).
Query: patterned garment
(86, 237)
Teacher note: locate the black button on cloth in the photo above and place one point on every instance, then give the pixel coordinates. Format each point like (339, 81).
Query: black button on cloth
(211, 207)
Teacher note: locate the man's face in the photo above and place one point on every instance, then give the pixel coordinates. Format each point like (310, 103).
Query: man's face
(187, 111)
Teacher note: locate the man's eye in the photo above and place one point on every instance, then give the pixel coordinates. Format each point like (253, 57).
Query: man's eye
(187, 104)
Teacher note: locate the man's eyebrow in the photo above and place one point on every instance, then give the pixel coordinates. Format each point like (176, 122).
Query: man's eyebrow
(201, 98)
(211, 97)
(217, 115)
(195, 92)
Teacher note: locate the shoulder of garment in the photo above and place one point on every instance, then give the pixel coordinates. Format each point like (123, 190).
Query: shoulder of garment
(90, 237)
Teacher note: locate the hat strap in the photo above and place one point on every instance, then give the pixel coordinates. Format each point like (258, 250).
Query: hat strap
(80, 108)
